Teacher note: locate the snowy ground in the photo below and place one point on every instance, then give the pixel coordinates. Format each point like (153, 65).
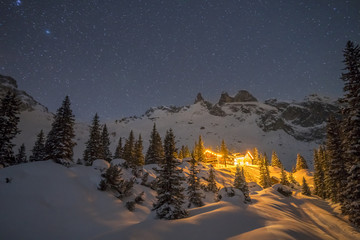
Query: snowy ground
(48, 201)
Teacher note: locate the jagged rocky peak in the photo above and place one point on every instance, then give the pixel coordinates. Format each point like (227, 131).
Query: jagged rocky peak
(7, 82)
(244, 96)
(241, 96)
(199, 98)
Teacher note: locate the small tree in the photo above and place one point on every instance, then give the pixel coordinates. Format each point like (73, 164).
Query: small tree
(119, 149)
(292, 179)
(155, 152)
(138, 151)
(305, 188)
(129, 150)
(105, 143)
(21, 156)
(300, 163)
(265, 180)
(240, 183)
(38, 151)
(170, 196)
(256, 160)
(275, 161)
(284, 178)
(224, 152)
(212, 187)
(193, 189)
(94, 148)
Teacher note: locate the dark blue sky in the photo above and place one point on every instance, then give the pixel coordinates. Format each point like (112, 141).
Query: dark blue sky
(119, 58)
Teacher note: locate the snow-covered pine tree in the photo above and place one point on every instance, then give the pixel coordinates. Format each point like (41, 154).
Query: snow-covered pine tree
(224, 152)
(193, 190)
(300, 163)
(240, 183)
(155, 152)
(265, 180)
(21, 156)
(119, 149)
(59, 143)
(9, 110)
(284, 179)
(186, 152)
(38, 151)
(305, 188)
(93, 148)
(105, 143)
(275, 161)
(351, 131)
(337, 172)
(211, 186)
(138, 151)
(292, 179)
(170, 197)
(129, 150)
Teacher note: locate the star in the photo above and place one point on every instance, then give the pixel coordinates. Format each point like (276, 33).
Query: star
(47, 32)
(18, 3)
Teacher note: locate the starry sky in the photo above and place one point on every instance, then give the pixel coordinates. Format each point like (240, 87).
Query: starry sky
(119, 58)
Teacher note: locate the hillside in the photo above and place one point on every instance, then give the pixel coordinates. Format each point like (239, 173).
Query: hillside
(242, 121)
(67, 205)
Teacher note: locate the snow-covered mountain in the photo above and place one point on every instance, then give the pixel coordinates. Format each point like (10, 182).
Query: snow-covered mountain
(241, 120)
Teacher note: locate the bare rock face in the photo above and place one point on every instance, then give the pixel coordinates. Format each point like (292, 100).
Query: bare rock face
(244, 96)
(225, 98)
(198, 98)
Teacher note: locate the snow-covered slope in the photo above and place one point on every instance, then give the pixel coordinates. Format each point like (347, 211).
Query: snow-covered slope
(45, 200)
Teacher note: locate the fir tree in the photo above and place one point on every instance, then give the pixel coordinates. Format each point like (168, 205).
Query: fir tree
(181, 154)
(211, 186)
(292, 179)
(351, 131)
(170, 196)
(186, 152)
(224, 152)
(119, 149)
(155, 152)
(129, 150)
(105, 143)
(138, 151)
(38, 151)
(193, 189)
(318, 175)
(275, 161)
(200, 151)
(265, 180)
(256, 160)
(21, 156)
(59, 143)
(240, 183)
(300, 163)
(9, 110)
(305, 188)
(284, 179)
(94, 148)
(337, 171)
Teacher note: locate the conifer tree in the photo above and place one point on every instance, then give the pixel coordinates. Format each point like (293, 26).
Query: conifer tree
(193, 190)
(38, 151)
(318, 175)
(138, 152)
(105, 143)
(284, 179)
(9, 110)
(119, 149)
(351, 131)
(211, 186)
(337, 170)
(275, 161)
(21, 156)
(300, 163)
(200, 151)
(265, 180)
(59, 143)
(170, 196)
(256, 160)
(155, 152)
(224, 152)
(94, 149)
(292, 179)
(186, 152)
(129, 150)
(240, 183)
(305, 188)
(180, 154)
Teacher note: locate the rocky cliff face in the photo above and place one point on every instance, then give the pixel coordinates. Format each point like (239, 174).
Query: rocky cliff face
(28, 103)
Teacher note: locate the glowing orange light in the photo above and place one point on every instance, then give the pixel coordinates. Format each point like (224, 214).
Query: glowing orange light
(212, 153)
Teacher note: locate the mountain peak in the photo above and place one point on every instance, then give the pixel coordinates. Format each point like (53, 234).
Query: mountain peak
(199, 98)
(8, 82)
(241, 96)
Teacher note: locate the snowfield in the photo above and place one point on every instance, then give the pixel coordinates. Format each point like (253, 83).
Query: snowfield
(45, 200)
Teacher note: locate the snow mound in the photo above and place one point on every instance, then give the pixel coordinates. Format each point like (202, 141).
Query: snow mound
(101, 164)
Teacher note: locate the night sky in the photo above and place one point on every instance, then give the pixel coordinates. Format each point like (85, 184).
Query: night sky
(119, 58)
